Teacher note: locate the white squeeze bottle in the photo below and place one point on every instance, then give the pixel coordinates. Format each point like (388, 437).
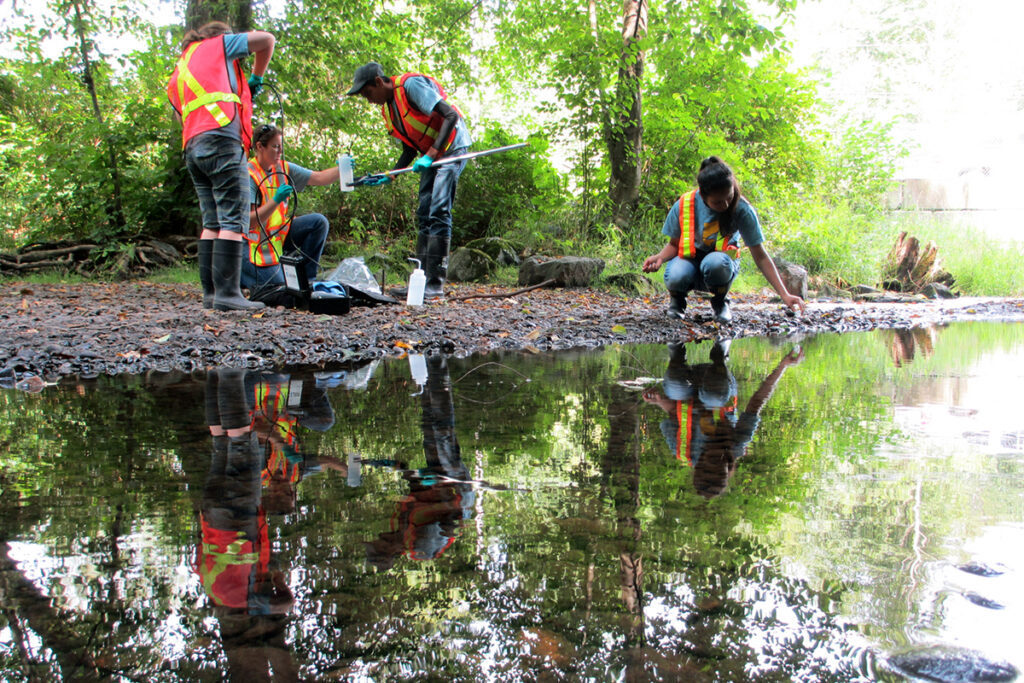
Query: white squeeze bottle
(346, 169)
(417, 282)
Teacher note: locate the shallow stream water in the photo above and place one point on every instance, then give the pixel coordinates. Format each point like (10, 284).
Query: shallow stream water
(806, 509)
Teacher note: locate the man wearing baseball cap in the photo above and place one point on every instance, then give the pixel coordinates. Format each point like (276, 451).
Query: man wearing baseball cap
(416, 111)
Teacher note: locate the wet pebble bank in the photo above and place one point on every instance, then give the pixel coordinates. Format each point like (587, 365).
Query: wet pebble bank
(48, 332)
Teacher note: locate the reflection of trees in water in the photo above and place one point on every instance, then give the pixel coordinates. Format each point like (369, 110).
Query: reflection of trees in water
(617, 564)
(905, 345)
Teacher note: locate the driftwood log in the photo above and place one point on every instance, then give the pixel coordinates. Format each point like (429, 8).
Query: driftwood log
(909, 268)
(135, 257)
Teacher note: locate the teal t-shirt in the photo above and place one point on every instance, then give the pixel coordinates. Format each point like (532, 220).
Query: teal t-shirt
(745, 222)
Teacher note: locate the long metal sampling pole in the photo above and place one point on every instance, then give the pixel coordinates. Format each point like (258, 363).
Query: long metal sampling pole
(444, 160)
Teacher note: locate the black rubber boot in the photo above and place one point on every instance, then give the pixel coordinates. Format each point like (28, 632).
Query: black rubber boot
(206, 271)
(226, 271)
(421, 254)
(231, 403)
(720, 307)
(677, 353)
(436, 268)
(676, 305)
(720, 350)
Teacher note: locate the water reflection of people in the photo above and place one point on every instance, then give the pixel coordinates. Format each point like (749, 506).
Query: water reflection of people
(703, 428)
(280, 405)
(249, 592)
(440, 497)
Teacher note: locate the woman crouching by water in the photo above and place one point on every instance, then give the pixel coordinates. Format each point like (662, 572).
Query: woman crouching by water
(704, 229)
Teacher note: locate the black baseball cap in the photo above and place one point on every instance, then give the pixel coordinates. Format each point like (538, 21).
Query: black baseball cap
(364, 75)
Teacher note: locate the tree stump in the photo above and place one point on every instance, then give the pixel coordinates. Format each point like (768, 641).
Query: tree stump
(908, 268)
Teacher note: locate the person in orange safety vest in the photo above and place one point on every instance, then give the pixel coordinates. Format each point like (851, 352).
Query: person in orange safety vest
(441, 495)
(703, 429)
(213, 101)
(247, 590)
(272, 181)
(416, 111)
(703, 229)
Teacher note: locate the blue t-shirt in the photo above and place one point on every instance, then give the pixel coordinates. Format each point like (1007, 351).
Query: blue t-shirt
(738, 431)
(236, 46)
(424, 95)
(299, 179)
(744, 221)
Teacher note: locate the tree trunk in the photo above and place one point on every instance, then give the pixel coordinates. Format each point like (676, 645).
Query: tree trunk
(235, 13)
(115, 210)
(625, 128)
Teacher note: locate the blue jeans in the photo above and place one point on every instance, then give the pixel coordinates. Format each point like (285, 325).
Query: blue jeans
(708, 271)
(437, 195)
(307, 236)
(221, 178)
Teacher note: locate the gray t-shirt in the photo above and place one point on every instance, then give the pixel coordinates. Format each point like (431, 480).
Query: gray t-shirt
(298, 177)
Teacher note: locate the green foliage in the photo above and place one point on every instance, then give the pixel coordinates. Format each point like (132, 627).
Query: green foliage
(716, 80)
(495, 191)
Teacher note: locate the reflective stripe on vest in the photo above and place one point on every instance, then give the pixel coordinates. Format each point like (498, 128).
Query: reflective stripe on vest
(267, 243)
(200, 90)
(688, 238)
(227, 558)
(685, 428)
(272, 401)
(413, 127)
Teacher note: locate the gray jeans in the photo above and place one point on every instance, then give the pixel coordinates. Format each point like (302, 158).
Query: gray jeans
(221, 177)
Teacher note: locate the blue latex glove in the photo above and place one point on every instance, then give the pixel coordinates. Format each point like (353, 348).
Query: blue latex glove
(283, 193)
(255, 84)
(382, 179)
(422, 164)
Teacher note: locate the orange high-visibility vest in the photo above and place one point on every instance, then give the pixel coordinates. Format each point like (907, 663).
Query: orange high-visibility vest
(684, 430)
(688, 237)
(266, 244)
(413, 127)
(226, 560)
(272, 401)
(200, 91)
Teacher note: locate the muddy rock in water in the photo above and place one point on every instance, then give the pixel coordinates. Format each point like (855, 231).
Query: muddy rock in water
(948, 664)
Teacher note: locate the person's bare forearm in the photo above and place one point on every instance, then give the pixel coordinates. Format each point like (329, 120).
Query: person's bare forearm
(261, 46)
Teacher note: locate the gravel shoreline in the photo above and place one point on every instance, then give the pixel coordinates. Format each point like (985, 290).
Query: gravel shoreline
(51, 332)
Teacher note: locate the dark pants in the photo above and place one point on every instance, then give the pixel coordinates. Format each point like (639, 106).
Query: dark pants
(221, 178)
(307, 236)
(437, 195)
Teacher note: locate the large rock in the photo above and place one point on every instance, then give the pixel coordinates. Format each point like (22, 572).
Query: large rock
(633, 284)
(937, 290)
(567, 271)
(470, 265)
(951, 665)
(498, 248)
(794, 277)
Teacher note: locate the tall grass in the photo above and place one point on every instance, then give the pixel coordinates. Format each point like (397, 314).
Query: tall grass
(982, 264)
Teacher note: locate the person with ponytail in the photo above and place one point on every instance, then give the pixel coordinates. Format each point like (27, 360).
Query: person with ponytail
(704, 229)
(212, 100)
